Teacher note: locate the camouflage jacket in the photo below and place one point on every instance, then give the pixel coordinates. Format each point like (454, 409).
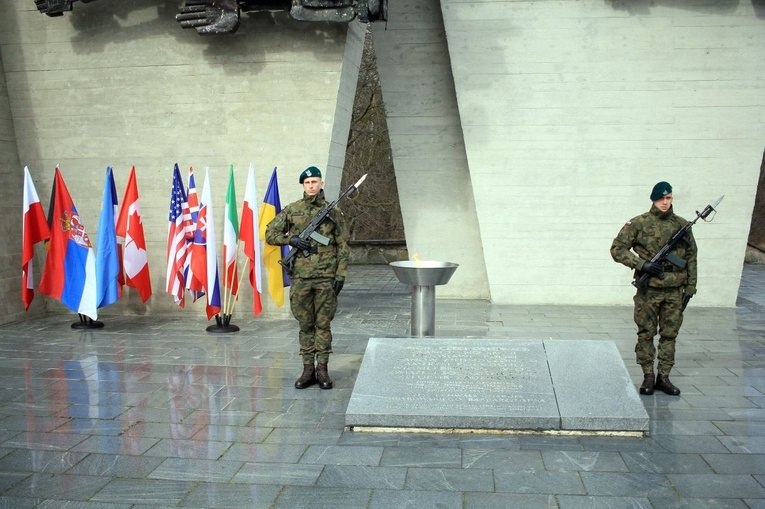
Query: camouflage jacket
(643, 236)
(329, 261)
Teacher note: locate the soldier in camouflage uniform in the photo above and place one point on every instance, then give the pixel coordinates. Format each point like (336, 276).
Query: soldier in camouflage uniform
(317, 279)
(660, 304)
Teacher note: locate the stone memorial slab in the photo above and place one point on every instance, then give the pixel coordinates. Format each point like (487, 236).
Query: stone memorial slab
(453, 383)
(493, 384)
(592, 386)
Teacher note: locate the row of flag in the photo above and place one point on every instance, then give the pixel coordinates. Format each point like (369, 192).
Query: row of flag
(85, 280)
(73, 274)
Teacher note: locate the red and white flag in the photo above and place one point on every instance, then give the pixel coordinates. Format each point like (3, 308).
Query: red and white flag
(248, 234)
(34, 229)
(135, 261)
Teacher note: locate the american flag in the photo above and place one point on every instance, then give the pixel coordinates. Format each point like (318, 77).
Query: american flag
(179, 228)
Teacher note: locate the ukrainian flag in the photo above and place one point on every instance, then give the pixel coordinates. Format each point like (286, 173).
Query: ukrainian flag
(277, 277)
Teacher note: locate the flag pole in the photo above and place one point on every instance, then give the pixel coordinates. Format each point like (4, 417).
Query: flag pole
(246, 264)
(223, 318)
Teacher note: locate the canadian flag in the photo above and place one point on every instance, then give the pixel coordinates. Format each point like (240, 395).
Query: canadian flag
(135, 262)
(34, 229)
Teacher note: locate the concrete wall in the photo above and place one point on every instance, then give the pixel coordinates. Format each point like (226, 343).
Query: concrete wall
(524, 133)
(573, 110)
(434, 188)
(570, 112)
(121, 84)
(346, 95)
(10, 206)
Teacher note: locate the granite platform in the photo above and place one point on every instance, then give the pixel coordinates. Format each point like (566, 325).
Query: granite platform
(554, 385)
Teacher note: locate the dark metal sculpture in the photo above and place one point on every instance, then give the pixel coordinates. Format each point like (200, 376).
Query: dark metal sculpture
(222, 16)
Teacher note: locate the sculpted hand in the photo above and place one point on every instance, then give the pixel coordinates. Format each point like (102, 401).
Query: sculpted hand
(209, 16)
(299, 244)
(54, 7)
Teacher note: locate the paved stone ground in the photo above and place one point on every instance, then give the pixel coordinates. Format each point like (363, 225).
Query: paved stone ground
(162, 414)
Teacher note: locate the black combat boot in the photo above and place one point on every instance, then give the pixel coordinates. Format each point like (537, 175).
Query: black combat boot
(663, 384)
(308, 378)
(648, 384)
(322, 376)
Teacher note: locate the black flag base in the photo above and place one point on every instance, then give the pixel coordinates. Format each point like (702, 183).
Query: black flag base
(223, 324)
(87, 322)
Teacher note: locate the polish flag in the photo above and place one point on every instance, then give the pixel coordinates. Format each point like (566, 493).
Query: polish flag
(34, 229)
(248, 234)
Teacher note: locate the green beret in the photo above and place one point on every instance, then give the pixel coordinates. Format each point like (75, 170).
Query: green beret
(659, 190)
(311, 171)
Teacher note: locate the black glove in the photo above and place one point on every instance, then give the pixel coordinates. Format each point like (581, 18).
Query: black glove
(299, 244)
(337, 285)
(652, 268)
(686, 300)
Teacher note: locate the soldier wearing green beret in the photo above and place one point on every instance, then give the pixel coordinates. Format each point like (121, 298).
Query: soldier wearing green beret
(317, 278)
(659, 306)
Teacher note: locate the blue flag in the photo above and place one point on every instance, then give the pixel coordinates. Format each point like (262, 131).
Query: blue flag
(108, 288)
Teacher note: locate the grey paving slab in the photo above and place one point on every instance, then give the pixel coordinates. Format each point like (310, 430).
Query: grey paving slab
(386, 499)
(450, 479)
(506, 500)
(226, 496)
(322, 498)
(353, 476)
(700, 503)
(717, 485)
(540, 482)
(293, 474)
(433, 457)
(493, 384)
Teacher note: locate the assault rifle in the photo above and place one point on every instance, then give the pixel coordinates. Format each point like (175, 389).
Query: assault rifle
(665, 252)
(288, 262)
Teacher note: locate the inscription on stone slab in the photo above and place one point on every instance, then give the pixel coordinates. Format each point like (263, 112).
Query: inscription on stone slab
(426, 382)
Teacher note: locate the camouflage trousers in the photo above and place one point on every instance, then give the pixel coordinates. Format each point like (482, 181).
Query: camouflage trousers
(657, 310)
(313, 303)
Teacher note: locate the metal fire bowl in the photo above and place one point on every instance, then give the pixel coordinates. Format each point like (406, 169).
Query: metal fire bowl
(424, 273)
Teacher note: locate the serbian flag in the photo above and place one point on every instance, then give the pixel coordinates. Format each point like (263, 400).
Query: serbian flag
(248, 234)
(135, 262)
(277, 278)
(34, 229)
(178, 227)
(70, 268)
(210, 257)
(108, 287)
(193, 200)
(230, 237)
